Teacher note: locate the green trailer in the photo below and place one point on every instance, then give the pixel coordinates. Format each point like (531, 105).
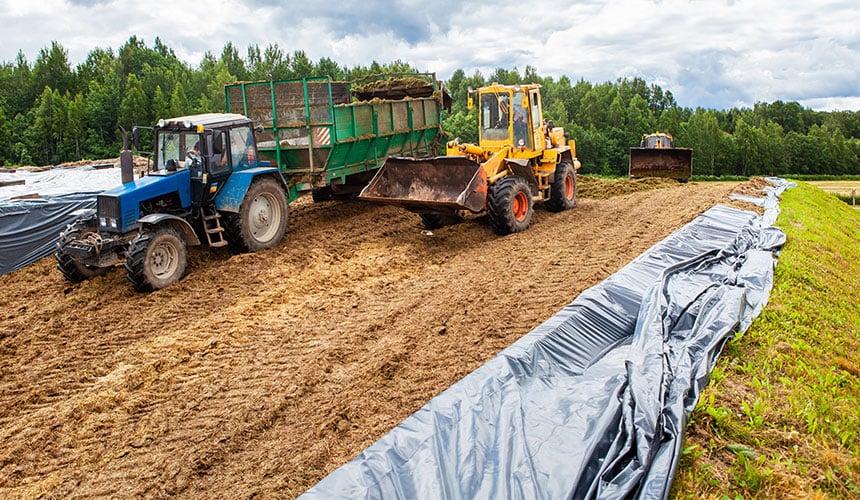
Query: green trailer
(329, 137)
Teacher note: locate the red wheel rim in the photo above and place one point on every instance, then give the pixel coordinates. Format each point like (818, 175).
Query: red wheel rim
(568, 187)
(520, 206)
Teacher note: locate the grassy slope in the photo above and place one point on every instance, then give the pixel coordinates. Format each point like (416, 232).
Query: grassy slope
(781, 415)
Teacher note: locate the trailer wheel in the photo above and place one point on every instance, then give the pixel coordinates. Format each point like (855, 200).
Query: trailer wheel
(435, 221)
(563, 190)
(155, 260)
(70, 268)
(509, 205)
(262, 219)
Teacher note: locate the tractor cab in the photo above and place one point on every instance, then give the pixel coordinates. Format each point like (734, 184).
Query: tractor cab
(210, 147)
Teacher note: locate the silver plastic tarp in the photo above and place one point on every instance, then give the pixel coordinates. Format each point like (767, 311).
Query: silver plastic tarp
(593, 403)
(29, 228)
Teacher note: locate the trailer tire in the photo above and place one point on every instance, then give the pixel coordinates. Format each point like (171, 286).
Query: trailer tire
(563, 189)
(510, 205)
(156, 259)
(436, 221)
(262, 218)
(70, 268)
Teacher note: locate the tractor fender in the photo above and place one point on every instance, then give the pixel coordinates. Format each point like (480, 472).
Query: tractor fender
(178, 223)
(230, 197)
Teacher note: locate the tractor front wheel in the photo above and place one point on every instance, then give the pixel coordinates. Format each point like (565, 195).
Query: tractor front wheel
(70, 268)
(509, 205)
(156, 259)
(563, 190)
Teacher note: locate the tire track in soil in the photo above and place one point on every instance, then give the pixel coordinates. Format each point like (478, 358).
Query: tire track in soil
(261, 373)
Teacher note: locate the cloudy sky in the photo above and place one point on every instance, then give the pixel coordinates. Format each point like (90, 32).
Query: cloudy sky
(709, 53)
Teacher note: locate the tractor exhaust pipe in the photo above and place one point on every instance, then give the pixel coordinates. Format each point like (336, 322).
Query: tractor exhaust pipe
(126, 161)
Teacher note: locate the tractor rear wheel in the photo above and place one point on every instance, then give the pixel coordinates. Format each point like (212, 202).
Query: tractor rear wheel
(156, 259)
(70, 268)
(509, 205)
(262, 219)
(563, 190)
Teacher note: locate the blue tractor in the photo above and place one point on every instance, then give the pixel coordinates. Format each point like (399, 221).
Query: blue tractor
(206, 186)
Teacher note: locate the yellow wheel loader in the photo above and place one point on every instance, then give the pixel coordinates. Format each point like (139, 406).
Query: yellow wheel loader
(519, 160)
(657, 156)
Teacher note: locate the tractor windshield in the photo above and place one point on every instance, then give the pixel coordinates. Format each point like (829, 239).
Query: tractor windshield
(495, 116)
(173, 148)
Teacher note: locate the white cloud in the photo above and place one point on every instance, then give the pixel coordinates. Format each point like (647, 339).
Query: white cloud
(710, 53)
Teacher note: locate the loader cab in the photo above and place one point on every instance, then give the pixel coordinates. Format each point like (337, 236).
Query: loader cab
(510, 115)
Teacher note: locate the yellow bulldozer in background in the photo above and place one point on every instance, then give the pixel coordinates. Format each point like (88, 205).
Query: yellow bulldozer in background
(520, 159)
(657, 156)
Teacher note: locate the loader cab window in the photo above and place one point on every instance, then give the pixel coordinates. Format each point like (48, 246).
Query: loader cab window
(495, 116)
(521, 122)
(175, 150)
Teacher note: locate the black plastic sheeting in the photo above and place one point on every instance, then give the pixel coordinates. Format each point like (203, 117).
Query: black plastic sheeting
(593, 403)
(29, 228)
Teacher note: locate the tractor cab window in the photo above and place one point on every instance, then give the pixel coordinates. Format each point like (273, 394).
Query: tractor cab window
(219, 152)
(243, 149)
(521, 122)
(495, 116)
(175, 150)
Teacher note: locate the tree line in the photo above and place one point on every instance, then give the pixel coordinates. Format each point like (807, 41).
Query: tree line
(52, 113)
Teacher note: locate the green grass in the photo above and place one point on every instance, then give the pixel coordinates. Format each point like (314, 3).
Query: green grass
(781, 415)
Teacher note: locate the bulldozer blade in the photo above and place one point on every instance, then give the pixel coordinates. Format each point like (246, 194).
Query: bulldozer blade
(441, 185)
(675, 163)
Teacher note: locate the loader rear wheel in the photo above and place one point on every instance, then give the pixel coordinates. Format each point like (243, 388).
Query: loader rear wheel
(262, 219)
(435, 221)
(155, 260)
(70, 268)
(563, 190)
(509, 205)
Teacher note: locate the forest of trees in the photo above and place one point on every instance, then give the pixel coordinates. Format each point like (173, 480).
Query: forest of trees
(51, 113)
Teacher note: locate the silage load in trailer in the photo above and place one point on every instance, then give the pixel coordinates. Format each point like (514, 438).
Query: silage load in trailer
(593, 403)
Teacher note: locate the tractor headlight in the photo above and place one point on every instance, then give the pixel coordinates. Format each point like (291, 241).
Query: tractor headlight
(107, 222)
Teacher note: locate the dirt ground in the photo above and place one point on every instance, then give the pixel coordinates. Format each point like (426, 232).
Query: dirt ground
(258, 374)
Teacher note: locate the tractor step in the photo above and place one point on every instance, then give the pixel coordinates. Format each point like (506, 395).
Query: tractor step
(214, 230)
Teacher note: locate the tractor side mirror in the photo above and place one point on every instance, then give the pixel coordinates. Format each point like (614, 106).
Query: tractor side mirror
(135, 137)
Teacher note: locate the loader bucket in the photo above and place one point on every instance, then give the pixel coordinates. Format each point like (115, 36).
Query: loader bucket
(675, 163)
(441, 185)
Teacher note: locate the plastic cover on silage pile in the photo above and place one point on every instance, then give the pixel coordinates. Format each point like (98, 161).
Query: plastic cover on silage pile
(593, 403)
(29, 228)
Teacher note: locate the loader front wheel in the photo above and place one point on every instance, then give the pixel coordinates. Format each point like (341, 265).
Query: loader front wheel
(436, 221)
(262, 219)
(155, 260)
(563, 190)
(509, 205)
